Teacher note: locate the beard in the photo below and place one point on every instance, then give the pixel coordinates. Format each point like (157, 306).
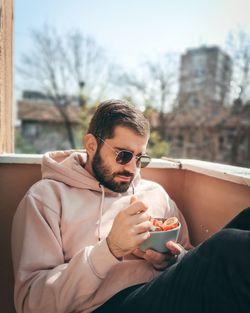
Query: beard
(106, 177)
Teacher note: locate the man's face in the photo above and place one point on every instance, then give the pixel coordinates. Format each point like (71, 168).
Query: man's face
(109, 173)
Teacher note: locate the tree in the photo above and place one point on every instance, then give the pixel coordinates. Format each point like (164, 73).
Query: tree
(157, 147)
(154, 84)
(22, 145)
(61, 66)
(238, 47)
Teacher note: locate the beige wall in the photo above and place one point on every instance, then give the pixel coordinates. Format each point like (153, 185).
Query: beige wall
(14, 181)
(206, 202)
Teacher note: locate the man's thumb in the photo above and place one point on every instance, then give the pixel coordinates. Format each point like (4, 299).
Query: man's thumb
(133, 199)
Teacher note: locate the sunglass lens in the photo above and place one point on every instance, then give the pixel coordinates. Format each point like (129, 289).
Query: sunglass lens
(144, 160)
(123, 157)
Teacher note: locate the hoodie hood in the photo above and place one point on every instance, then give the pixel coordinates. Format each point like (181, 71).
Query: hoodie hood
(68, 167)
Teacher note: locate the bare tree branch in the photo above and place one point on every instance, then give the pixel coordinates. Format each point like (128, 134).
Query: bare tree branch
(154, 82)
(60, 65)
(238, 47)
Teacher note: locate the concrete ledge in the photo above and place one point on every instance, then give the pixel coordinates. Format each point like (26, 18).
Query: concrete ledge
(239, 175)
(236, 174)
(14, 158)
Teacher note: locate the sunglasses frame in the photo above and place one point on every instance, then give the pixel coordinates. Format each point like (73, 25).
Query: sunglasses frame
(139, 163)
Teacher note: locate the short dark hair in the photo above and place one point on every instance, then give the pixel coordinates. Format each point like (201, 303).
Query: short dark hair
(112, 113)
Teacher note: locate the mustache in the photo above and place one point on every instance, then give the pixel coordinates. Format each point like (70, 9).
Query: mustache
(124, 173)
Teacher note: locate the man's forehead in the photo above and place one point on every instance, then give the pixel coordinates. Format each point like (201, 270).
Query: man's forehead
(125, 137)
(122, 132)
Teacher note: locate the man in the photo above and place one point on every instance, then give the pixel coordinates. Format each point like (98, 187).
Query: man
(76, 233)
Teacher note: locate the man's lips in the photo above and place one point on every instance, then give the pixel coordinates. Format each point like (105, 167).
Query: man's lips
(125, 174)
(124, 178)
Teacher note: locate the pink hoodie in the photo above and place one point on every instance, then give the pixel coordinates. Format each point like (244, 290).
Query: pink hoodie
(60, 264)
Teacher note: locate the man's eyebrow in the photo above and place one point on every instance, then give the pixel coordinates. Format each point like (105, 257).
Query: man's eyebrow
(122, 149)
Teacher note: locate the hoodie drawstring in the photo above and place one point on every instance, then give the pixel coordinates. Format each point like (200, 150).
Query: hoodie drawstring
(100, 213)
(133, 188)
(101, 208)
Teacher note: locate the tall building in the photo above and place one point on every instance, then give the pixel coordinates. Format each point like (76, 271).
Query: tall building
(205, 76)
(205, 125)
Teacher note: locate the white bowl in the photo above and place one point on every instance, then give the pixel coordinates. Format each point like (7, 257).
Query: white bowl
(157, 240)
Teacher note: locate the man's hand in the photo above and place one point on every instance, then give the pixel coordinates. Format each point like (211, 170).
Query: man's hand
(130, 228)
(160, 260)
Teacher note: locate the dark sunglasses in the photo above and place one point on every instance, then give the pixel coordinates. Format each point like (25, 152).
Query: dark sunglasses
(125, 156)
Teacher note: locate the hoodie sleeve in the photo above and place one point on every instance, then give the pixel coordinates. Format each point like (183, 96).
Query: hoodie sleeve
(44, 282)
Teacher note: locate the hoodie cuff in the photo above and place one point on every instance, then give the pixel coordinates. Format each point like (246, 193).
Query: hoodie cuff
(101, 260)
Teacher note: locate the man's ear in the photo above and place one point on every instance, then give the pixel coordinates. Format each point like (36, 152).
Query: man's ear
(90, 144)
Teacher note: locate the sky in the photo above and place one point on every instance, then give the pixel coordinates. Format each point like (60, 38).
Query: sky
(131, 30)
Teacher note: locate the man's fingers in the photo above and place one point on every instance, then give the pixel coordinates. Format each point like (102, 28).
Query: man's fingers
(142, 227)
(155, 257)
(142, 237)
(133, 199)
(174, 248)
(140, 218)
(136, 207)
(139, 253)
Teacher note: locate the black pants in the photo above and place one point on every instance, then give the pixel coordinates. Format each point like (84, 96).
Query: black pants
(213, 277)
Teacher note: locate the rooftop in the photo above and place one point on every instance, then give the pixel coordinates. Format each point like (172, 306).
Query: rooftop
(46, 112)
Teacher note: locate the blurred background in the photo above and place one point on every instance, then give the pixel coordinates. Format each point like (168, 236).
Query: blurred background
(185, 64)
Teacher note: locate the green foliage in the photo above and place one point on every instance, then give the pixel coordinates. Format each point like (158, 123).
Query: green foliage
(22, 145)
(149, 111)
(78, 136)
(86, 116)
(157, 147)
